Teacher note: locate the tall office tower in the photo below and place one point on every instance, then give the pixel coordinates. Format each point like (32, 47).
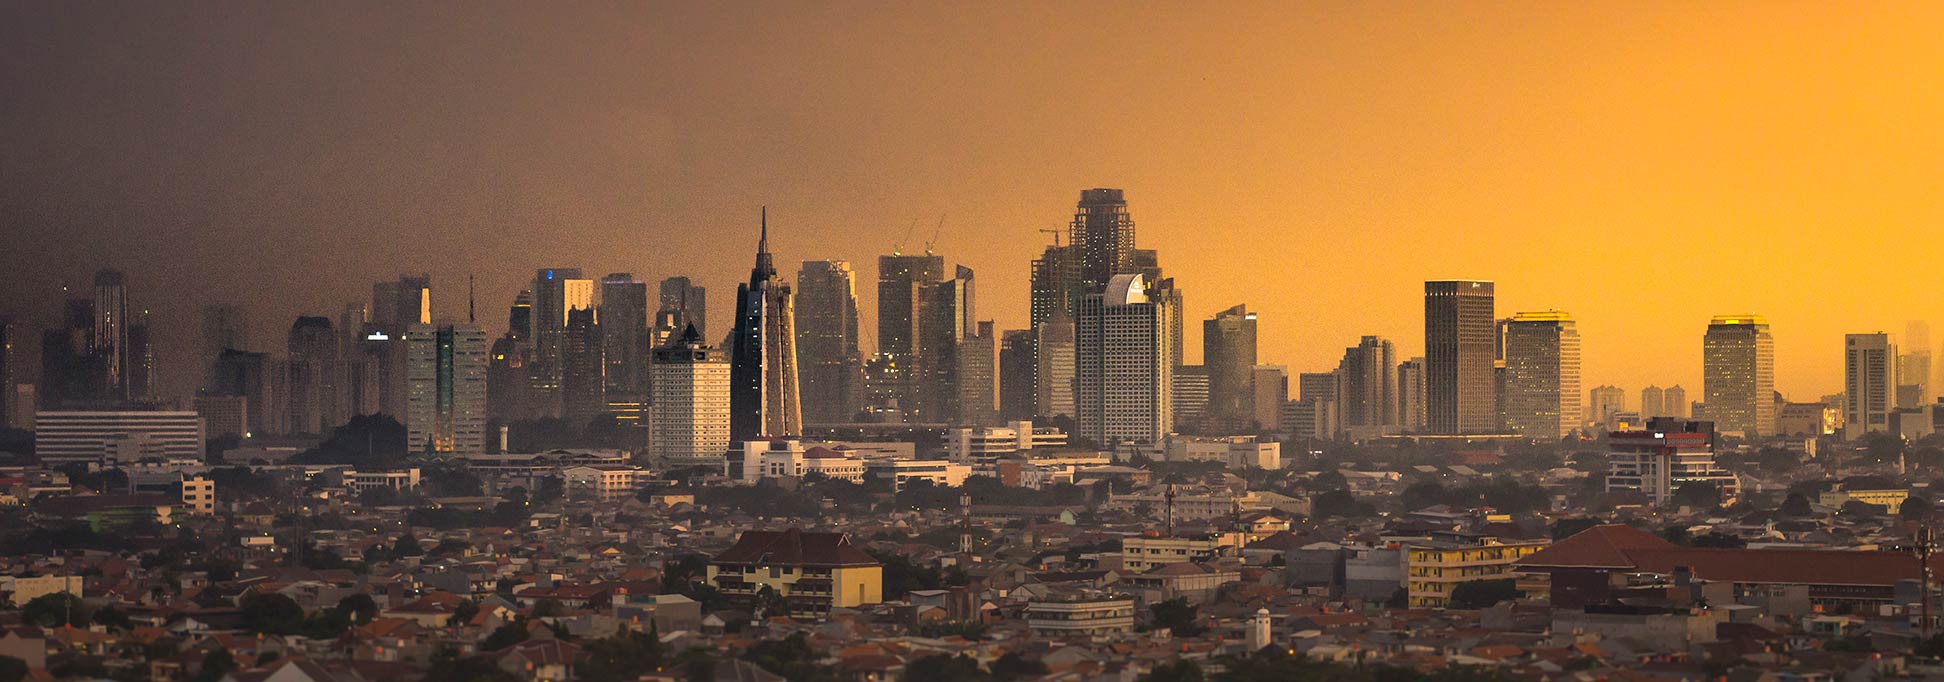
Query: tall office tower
(399, 304)
(1542, 375)
(352, 325)
(1322, 392)
(1054, 275)
(1923, 367)
(1053, 367)
(583, 388)
(111, 324)
(1869, 383)
(763, 397)
(832, 371)
(884, 385)
(506, 380)
(1410, 394)
(946, 315)
(556, 291)
(978, 377)
(1603, 403)
(1103, 234)
(682, 304)
(624, 344)
(1269, 389)
(1124, 378)
(1367, 389)
(902, 283)
(690, 423)
(1459, 343)
(1229, 356)
(1190, 397)
(1653, 402)
(519, 317)
(1674, 402)
(9, 371)
(1016, 350)
(263, 382)
(312, 345)
(1166, 293)
(446, 405)
(373, 374)
(1913, 370)
(224, 328)
(73, 372)
(140, 372)
(1738, 374)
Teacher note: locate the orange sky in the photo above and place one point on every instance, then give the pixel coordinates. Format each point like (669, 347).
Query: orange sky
(1641, 165)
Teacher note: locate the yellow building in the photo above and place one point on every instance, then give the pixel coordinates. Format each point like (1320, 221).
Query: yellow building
(1888, 498)
(814, 572)
(1435, 569)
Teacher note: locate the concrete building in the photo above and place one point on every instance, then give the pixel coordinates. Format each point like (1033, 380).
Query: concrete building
(1542, 383)
(556, 292)
(1053, 367)
(1738, 374)
(764, 401)
(1190, 397)
(1435, 569)
(1271, 387)
(1869, 383)
(224, 415)
(445, 403)
(978, 377)
(1080, 615)
(1668, 454)
(1367, 386)
(62, 437)
(1229, 357)
(826, 329)
(1124, 379)
(985, 443)
(812, 572)
(689, 425)
(1604, 404)
(1460, 341)
(1410, 395)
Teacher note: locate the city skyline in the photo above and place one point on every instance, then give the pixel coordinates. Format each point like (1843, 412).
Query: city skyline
(1280, 195)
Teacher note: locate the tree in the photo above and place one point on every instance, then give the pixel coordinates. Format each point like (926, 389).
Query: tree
(407, 546)
(55, 609)
(12, 669)
(1012, 666)
(360, 608)
(1179, 670)
(1719, 540)
(448, 667)
(1697, 494)
(1339, 503)
(625, 656)
(1915, 508)
(1480, 594)
(1797, 506)
(1566, 528)
(215, 664)
(944, 668)
(273, 614)
(505, 636)
(1177, 615)
(371, 441)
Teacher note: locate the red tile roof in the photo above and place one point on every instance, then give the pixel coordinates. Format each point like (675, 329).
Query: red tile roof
(1626, 548)
(794, 547)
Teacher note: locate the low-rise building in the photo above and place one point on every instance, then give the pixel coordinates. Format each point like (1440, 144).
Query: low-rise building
(1080, 614)
(1436, 568)
(1668, 454)
(813, 572)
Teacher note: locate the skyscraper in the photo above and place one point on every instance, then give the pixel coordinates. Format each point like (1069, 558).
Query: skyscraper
(763, 397)
(624, 335)
(556, 291)
(399, 304)
(1367, 385)
(1319, 392)
(583, 388)
(1190, 397)
(1410, 394)
(446, 370)
(826, 330)
(1103, 233)
(1016, 350)
(509, 381)
(139, 374)
(1653, 402)
(1674, 402)
(265, 384)
(1738, 374)
(1229, 356)
(977, 377)
(1542, 383)
(1269, 385)
(690, 422)
(1603, 404)
(947, 314)
(1460, 331)
(1869, 383)
(1124, 378)
(903, 281)
(313, 346)
(1054, 277)
(111, 330)
(682, 304)
(1053, 367)
(225, 327)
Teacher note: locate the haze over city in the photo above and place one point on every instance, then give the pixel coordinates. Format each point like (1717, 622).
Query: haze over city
(1637, 166)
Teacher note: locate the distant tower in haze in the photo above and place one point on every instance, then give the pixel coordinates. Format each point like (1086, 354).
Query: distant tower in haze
(903, 283)
(313, 347)
(1542, 382)
(397, 305)
(1229, 358)
(682, 304)
(624, 336)
(1270, 384)
(111, 323)
(763, 397)
(556, 291)
(1124, 377)
(1869, 383)
(225, 327)
(509, 380)
(1674, 402)
(1053, 367)
(445, 403)
(947, 315)
(826, 338)
(1738, 374)
(1460, 334)
(583, 389)
(1016, 375)
(1653, 402)
(1410, 394)
(1367, 385)
(1604, 404)
(1916, 387)
(978, 377)
(140, 371)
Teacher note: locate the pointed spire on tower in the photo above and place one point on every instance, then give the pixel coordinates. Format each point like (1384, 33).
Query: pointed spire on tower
(764, 268)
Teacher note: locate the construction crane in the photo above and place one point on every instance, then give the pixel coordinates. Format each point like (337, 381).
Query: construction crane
(898, 249)
(935, 231)
(1056, 236)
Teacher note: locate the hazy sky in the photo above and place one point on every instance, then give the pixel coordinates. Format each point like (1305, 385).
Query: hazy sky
(1641, 165)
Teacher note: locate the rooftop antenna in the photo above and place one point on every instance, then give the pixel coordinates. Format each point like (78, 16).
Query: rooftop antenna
(1170, 499)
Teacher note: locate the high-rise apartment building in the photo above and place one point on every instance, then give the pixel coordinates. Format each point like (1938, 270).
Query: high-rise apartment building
(1367, 385)
(827, 352)
(763, 396)
(445, 404)
(624, 336)
(1653, 402)
(1054, 277)
(1319, 392)
(1869, 383)
(1190, 396)
(1604, 404)
(1124, 378)
(556, 292)
(1542, 381)
(1738, 374)
(1460, 341)
(1229, 356)
(1410, 394)
(690, 422)
(1674, 402)
(1053, 367)
(977, 377)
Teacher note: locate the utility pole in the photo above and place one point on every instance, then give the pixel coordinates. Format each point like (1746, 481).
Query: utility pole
(1922, 549)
